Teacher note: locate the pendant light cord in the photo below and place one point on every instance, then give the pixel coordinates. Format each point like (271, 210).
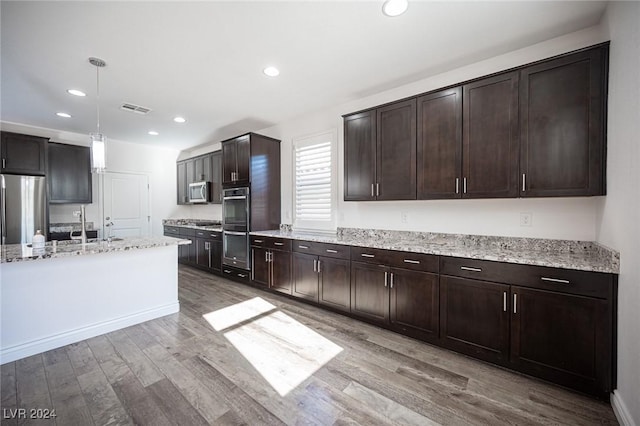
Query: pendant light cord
(98, 96)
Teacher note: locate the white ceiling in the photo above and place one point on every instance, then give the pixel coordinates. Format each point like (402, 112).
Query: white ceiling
(204, 60)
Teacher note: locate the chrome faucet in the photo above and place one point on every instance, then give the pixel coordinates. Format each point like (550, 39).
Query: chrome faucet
(83, 224)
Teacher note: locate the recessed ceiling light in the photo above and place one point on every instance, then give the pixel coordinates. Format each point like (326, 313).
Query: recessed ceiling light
(395, 7)
(76, 92)
(63, 114)
(179, 120)
(153, 133)
(271, 71)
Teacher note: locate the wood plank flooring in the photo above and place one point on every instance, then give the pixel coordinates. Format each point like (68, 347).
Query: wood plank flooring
(274, 361)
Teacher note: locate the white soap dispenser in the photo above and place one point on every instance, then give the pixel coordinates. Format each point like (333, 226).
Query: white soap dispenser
(38, 240)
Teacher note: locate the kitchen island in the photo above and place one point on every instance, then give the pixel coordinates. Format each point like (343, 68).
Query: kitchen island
(59, 295)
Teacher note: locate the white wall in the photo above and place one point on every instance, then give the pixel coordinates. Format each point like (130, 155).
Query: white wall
(567, 218)
(618, 214)
(158, 163)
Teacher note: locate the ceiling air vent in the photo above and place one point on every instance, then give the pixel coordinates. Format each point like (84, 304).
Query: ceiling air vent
(135, 108)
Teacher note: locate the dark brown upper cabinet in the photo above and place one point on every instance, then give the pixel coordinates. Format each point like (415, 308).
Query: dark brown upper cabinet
(380, 153)
(216, 177)
(360, 156)
(562, 127)
(207, 168)
(396, 151)
(182, 183)
(439, 148)
(490, 140)
(23, 154)
(236, 154)
(69, 174)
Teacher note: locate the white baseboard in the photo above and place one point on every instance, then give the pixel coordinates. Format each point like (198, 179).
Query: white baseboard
(620, 410)
(34, 347)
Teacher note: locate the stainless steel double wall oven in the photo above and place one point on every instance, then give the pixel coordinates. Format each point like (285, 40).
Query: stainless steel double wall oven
(235, 227)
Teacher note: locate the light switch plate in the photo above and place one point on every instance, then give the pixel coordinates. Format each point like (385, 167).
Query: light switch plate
(526, 219)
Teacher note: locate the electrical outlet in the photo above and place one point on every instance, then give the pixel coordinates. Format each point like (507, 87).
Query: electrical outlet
(404, 217)
(526, 219)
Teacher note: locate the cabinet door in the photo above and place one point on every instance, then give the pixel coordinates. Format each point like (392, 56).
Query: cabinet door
(228, 161)
(191, 171)
(182, 182)
(216, 177)
(415, 303)
(335, 283)
(440, 145)
(562, 338)
(281, 271)
(360, 156)
(305, 276)
(562, 126)
(23, 154)
(243, 152)
(215, 252)
(260, 266)
(491, 148)
(187, 252)
(396, 151)
(202, 169)
(369, 291)
(474, 318)
(69, 174)
(202, 253)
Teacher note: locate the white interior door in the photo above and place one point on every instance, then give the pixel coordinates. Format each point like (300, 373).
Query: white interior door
(126, 205)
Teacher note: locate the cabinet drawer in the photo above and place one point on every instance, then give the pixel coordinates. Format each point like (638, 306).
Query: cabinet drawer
(188, 232)
(338, 251)
(584, 283)
(171, 230)
(209, 235)
(396, 259)
(271, 242)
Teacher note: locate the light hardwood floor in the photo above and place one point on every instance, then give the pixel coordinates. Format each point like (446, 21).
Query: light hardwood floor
(273, 361)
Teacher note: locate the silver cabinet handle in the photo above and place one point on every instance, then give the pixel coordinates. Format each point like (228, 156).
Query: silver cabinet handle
(377, 189)
(257, 241)
(555, 280)
(331, 251)
(415, 262)
(467, 268)
(504, 301)
(391, 285)
(524, 180)
(315, 267)
(242, 275)
(303, 247)
(253, 264)
(270, 256)
(266, 256)
(226, 271)
(319, 263)
(457, 185)
(464, 185)
(515, 303)
(367, 255)
(235, 233)
(372, 190)
(278, 244)
(3, 163)
(386, 275)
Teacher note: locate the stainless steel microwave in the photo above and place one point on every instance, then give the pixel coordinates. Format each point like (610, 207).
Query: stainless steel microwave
(200, 192)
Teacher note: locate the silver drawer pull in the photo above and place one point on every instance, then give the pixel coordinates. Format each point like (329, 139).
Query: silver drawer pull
(242, 275)
(367, 255)
(257, 241)
(415, 262)
(303, 247)
(226, 271)
(467, 268)
(331, 251)
(278, 244)
(555, 280)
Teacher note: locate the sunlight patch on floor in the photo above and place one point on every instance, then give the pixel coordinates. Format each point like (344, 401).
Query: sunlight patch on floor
(284, 351)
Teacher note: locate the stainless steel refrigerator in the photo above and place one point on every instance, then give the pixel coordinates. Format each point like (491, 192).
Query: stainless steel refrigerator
(23, 208)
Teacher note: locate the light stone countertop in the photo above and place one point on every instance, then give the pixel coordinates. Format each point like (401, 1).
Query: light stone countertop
(202, 224)
(23, 252)
(566, 254)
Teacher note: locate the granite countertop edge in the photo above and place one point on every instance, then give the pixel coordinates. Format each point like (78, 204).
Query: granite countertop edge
(592, 258)
(14, 253)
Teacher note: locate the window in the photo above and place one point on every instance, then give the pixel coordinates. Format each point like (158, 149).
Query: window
(314, 182)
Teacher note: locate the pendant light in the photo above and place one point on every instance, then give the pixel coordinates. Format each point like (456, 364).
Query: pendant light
(98, 141)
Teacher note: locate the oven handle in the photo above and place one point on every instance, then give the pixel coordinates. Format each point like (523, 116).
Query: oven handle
(234, 233)
(236, 197)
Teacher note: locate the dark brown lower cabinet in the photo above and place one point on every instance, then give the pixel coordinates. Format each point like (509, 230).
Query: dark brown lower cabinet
(209, 254)
(305, 277)
(474, 318)
(414, 303)
(369, 291)
(271, 269)
(187, 252)
(563, 338)
(334, 277)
